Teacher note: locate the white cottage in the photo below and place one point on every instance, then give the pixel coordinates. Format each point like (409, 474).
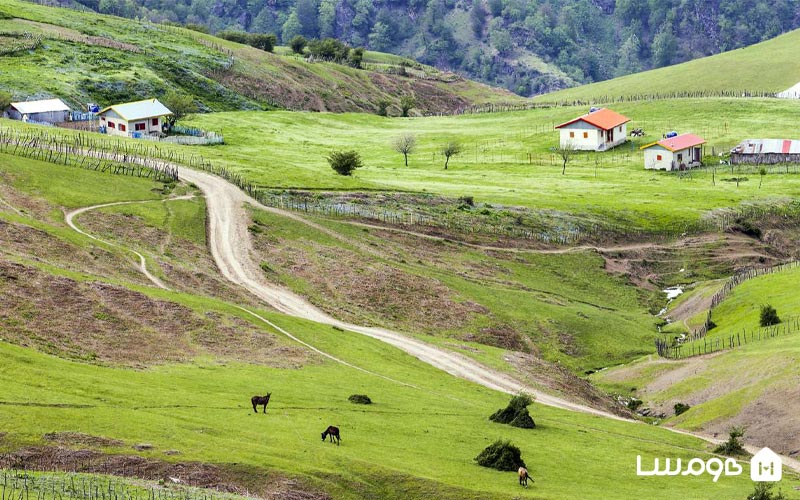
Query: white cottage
(44, 111)
(599, 130)
(134, 119)
(679, 152)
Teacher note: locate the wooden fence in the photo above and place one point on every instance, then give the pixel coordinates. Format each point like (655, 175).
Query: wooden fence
(60, 150)
(690, 349)
(665, 348)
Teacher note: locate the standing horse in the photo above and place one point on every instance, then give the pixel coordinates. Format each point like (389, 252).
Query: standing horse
(260, 400)
(523, 477)
(332, 432)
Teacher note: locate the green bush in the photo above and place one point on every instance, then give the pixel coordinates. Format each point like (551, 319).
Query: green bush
(769, 316)
(763, 491)
(732, 446)
(516, 413)
(680, 408)
(262, 41)
(298, 44)
(345, 162)
(360, 399)
(501, 455)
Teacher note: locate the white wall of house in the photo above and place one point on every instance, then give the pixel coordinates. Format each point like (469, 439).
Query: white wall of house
(587, 137)
(582, 136)
(660, 158)
(116, 125)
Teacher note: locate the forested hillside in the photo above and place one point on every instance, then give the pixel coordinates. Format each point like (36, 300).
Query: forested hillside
(528, 46)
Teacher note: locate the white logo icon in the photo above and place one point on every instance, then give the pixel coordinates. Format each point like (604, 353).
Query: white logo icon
(766, 465)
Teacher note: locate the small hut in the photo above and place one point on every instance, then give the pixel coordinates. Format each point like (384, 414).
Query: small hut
(766, 151)
(44, 111)
(599, 130)
(678, 152)
(134, 119)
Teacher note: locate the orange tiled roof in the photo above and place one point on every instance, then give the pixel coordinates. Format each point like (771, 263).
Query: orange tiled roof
(603, 118)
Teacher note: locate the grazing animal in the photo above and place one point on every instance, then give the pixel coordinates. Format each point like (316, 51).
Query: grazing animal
(523, 477)
(332, 432)
(260, 400)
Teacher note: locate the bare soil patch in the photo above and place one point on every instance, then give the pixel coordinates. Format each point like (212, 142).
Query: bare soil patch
(347, 285)
(110, 324)
(557, 379)
(229, 478)
(79, 438)
(186, 265)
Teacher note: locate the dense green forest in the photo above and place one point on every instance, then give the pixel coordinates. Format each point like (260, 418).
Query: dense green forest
(528, 46)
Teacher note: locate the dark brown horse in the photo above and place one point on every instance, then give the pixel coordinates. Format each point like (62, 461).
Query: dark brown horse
(260, 400)
(332, 432)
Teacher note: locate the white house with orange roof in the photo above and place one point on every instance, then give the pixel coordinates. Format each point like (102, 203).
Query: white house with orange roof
(599, 130)
(674, 153)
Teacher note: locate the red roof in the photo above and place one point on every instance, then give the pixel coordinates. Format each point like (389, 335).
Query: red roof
(678, 142)
(603, 118)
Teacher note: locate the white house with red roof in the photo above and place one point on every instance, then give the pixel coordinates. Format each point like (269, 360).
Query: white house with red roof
(599, 130)
(678, 152)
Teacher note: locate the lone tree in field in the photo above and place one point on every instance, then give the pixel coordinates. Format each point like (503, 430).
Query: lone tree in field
(501, 455)
(298, 44)
(345, 162)
(405, 145)
(383, 107)
(762, 172)
(452, 148)
(566, 151)
(769, 316)
(516, 413)
(763, 491)
(181, 105)
(407, 103)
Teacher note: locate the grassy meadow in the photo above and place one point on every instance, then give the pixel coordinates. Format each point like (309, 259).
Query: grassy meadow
(417, 441)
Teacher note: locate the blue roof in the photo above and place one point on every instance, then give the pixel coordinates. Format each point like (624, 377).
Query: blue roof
(140, 109)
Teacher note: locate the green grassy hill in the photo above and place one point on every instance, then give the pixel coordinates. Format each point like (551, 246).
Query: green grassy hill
(107, 59)
(751, 385)
(417, 441)
(767, 67)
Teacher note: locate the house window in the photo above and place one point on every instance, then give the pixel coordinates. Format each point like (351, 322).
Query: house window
(140, 126)
(658, 157)
(122, 128)
(680, 156)
(102, 118)
(620, 128)
(586, 135)
(572, 135)
(155, 122)
(111, 125)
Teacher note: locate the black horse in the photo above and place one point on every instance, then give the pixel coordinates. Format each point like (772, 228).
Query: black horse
(260, 400)
(332, 432)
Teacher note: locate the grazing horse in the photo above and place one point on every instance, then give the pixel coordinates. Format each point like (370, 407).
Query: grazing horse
(523, 477)
(332, 432)
(260, 400)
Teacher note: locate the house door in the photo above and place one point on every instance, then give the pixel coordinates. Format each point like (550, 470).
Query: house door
(610, 135)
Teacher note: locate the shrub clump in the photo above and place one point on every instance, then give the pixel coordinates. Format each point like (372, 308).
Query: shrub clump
(516, 413)
(769, 316)
(680, 408)
(501, 455)
(345, 162)
(732, 446)
(360, 399)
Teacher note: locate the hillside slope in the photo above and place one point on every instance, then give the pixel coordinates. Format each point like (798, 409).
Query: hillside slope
(106, 59)
(767, 67)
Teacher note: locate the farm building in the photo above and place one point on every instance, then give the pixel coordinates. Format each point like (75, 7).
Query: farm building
(674, 153)
(134, 119)
(45, 111)
(766, 151)
(599, 130)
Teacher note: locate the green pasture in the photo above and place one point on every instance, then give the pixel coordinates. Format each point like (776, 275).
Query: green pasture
(768, 66)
